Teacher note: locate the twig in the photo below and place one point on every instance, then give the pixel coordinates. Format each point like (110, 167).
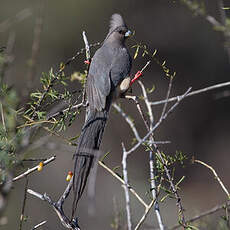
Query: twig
(122, 181)
(159, 122)
(56, 75)
(147, 209)
(159, 142)
(167, 97)
(127, 198)
(149, 134)
(195, 92)
(66, 222)
(34, 159)
(216, 176)
(88, 59)
(86, 45)
(128, 120)
(24, 204)
(203, 214)
(39, 225)
(65, 194)
(33, 169)
(151, 157)
(162, 117)
(140, 110)
(145, 66)
(32, 123)
(78, 106)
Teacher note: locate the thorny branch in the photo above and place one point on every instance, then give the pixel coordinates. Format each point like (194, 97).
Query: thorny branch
(70, 224)
(203, 214)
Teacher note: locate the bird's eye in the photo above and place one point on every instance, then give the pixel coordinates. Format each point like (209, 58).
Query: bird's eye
(121, 32)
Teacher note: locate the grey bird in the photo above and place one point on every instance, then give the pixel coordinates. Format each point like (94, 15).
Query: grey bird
(108, 79)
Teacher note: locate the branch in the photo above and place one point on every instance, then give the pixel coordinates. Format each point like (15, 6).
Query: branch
(39, 225)
(70, 224)
(203, 214)
(33, 169)
(78, 106)
(123, 182)
(216, 176)
(127, 198)
(195, 92)
(150, 134)
(23, 204)
(162, 118)
(159, 122)
(151, 157)
(88, 59)
(147, 209)
(56, 75)
(128, 120)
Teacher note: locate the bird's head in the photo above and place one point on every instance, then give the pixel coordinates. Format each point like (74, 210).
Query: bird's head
(118, 31)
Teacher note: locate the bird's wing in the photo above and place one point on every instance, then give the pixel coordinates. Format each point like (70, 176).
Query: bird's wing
(108, 68)
(120, 67)
(98, 81)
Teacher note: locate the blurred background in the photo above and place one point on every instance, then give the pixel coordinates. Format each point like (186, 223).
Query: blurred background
(199, 126)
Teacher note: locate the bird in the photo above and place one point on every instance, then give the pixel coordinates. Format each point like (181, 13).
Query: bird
(108, 79)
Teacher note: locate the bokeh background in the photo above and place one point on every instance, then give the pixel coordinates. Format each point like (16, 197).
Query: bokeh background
(199, 126)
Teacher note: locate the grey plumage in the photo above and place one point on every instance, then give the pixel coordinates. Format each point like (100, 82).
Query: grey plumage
(110, 65)
(116, 21)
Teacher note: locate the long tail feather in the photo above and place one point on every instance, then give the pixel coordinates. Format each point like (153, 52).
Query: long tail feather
(88, 145)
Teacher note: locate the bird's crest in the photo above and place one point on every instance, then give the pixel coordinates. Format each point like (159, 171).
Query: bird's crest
(116, 21)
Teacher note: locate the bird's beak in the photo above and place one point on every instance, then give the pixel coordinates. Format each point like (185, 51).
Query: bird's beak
(128, 34)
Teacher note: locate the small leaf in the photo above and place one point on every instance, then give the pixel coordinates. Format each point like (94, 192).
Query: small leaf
(136, 52)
